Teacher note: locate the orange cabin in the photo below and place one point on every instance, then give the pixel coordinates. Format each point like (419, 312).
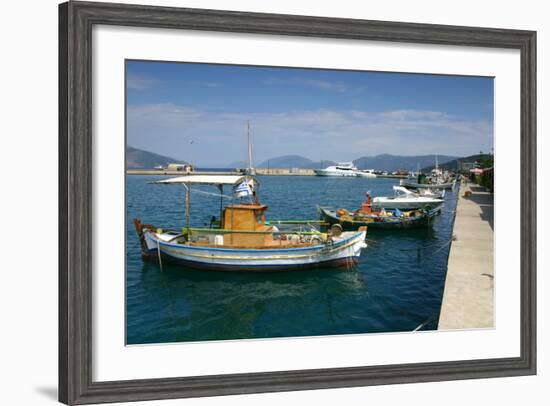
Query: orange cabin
(249, 218)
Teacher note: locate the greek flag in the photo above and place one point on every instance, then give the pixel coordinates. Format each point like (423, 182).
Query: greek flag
(245, 188)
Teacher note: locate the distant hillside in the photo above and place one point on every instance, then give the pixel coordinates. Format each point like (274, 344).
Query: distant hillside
(294, 161)
(452, 165)
(140, 159)
(387, 162)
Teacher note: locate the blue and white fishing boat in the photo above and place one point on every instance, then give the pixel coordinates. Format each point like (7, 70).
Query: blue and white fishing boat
(242, 240)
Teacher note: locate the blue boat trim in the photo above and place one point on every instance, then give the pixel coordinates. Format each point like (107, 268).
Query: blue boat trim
(338, 262)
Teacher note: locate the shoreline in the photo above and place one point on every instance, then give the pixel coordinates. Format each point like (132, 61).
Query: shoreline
(259, 172)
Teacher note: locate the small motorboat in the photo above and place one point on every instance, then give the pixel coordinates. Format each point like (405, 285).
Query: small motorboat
(428, 192)
(412, 184)
(242, 240)
(366, 173)
(406, 199)
(366, 215)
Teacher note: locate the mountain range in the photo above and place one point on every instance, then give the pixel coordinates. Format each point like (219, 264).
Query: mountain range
(387, 162)
(294, 161)
(382, 162)
(140, 159)
(452, 165)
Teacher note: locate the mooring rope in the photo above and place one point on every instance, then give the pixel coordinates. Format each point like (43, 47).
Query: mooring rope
(158, 252)
(424, 323)
(211, 193)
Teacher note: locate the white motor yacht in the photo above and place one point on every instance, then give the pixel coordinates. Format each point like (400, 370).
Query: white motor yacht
(340, 169)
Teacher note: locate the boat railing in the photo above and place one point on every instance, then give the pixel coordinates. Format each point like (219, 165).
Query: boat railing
(192, 232)
(271, 235)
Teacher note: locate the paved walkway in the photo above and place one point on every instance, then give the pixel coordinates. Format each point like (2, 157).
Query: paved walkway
(469, 286)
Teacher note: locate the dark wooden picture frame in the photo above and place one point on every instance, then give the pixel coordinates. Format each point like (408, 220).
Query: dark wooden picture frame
(76, 20)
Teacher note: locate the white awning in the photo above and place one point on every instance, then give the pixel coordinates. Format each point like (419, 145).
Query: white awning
(205, 180)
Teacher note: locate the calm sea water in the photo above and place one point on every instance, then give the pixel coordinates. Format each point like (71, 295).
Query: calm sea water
(397, 285)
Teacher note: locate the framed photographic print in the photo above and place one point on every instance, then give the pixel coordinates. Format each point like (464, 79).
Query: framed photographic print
(257, 202)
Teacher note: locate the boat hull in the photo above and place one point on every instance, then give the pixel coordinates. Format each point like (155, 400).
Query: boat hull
(390, 223)
(415, 185)
(422, 203)
(365, 174)
(324, 172)
(342, 253)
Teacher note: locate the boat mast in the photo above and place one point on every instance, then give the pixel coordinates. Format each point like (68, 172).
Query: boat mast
(187, 206)
(249, 148)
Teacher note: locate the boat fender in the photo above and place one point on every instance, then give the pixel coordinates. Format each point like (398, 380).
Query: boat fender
(342, 212)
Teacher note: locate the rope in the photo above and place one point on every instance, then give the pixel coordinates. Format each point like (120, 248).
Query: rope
(158, 252)
(211, 194)
(424, 323)
(443, 246)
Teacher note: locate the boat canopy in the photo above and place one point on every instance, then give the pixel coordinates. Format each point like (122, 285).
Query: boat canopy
(206, 180)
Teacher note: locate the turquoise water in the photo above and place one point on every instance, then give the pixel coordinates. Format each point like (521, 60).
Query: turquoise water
(397, 285)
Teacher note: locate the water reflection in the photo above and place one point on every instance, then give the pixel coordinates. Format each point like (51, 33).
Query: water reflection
(397, 285)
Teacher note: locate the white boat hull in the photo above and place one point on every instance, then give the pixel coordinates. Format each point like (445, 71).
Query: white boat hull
(365, 174)
(341, 253)
(403, 204)
(436, 186)
(324, 172)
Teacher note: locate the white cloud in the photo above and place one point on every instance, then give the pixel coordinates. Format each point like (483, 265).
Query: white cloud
(219, 137)
(141, 82)
(211, 85)
(315, 83)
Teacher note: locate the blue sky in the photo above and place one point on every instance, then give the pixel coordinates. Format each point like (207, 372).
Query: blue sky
(198, 112)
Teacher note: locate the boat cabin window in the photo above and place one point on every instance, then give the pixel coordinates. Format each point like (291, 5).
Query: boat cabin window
(259, 217)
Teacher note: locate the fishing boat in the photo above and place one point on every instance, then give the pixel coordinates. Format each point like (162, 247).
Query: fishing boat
(405, 199)
(372, 217)
(340, 169)
(242, 240)
(388, 219)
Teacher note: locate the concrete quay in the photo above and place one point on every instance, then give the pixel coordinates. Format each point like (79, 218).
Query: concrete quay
(468, 298)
